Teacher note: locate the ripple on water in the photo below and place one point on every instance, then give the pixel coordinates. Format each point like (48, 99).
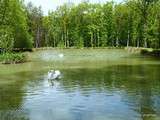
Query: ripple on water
(97, 89)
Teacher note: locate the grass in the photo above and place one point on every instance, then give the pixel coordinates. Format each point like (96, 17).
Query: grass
(13, 58)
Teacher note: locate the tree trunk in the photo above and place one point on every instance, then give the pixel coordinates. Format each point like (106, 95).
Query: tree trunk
(65, 35)
(138, 43)
(67, 39)
(117, 42)
(37, 37)
(54, 41)
(92, 39)
(98, 38)
(128, 40)
(62, 38)
(145, 34)
(145, 43)
(158, 30)
(46, 39)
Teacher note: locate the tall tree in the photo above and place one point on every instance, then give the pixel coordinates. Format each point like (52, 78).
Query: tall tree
(35, 20)
(13, 23)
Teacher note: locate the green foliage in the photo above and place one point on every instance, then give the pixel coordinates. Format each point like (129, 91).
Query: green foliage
(13, 58)
(35, 24)
(131, 23)
(6, 38)
(61, 44)
(13, 24)
(79, 42)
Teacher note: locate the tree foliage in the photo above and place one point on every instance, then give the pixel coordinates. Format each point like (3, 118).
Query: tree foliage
(13, 25)
(130, 23)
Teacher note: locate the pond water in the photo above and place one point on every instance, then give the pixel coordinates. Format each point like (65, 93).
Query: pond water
(95, 85)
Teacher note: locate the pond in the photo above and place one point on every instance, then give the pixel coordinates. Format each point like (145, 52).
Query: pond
(101, 84)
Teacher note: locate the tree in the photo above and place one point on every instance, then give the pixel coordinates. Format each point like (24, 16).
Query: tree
(13, 23)
(131, 23)
(6, 38)
(35, 21)
(107, 24)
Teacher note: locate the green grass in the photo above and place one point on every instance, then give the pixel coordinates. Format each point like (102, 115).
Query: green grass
(13, 58)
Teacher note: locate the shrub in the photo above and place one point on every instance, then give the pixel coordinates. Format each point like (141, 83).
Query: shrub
(13, 58)
(6, 38)
(61, 44)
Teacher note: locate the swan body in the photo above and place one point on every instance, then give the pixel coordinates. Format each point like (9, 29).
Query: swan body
(52, 75)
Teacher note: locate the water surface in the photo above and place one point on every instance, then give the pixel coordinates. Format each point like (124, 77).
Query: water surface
(96, 85)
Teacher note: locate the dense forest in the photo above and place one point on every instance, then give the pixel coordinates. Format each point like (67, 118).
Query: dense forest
(130, 23)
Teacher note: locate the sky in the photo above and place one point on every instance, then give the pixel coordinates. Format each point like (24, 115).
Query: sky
(52, 4)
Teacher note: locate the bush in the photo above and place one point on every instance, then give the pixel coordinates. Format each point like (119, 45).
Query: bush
(61, 44)
(6, 38)
(144, 51)
(151, 52)
(13, 58)
(79, 43)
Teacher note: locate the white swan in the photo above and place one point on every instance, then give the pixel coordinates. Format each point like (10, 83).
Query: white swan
(61, 55)
(52, 75)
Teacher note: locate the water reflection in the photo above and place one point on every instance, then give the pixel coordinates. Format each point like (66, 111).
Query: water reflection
(14, 115)
(116, 92)
(107, 93)
(54, 83)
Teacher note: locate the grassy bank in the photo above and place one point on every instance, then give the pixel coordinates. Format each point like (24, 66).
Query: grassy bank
(144, 51)
(56, 48)
(13, 58)
(151, 52)
(135, 50)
